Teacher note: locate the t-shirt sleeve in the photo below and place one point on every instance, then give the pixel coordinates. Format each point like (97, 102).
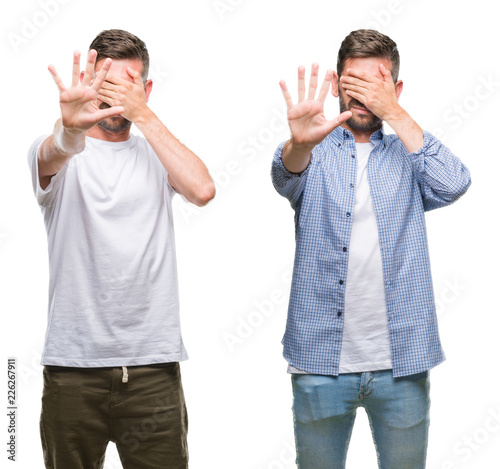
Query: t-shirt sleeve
(161, 169)
(43, 196)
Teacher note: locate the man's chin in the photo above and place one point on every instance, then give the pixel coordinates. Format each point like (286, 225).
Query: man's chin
(115, 124)
(364, 123)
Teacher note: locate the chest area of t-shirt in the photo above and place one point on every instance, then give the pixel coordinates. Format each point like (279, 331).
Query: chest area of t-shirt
(116, 183)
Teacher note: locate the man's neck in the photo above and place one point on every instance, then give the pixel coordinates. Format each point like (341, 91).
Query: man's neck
(360, 136)
(101, 134)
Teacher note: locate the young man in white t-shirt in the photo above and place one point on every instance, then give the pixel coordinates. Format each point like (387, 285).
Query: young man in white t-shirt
(113, 340)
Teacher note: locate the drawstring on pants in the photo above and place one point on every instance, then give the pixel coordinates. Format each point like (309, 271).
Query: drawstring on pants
(125, 375)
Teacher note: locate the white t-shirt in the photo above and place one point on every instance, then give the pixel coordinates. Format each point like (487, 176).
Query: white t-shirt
(365, 339)
(113, 292)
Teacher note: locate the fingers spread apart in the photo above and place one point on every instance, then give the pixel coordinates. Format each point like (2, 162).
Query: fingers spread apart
(88, 76)
(101, 76)
(57, 79)
(286, 94)
(76, 69)
(313, 82)
(89, 68)
(313, 86)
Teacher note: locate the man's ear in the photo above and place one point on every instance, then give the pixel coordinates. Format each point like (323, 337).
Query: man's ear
(399, 88)
(335, 85)
(148, 86)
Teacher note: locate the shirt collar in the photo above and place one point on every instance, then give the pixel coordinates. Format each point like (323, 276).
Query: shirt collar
(340, 136)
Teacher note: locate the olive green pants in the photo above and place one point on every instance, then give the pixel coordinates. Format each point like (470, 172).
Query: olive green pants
(143, 413)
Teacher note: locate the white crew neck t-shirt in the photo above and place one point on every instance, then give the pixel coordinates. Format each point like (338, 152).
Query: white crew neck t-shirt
(113, 291)
(365, 338)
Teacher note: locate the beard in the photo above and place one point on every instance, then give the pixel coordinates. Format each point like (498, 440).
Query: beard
(361, 123)
(115, 123)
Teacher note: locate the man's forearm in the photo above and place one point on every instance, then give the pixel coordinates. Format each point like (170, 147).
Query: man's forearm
(296, 159)
(56, 150)
(408, 131)
(188, 172)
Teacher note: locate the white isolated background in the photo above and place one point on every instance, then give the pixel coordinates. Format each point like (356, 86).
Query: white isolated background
(216, 67)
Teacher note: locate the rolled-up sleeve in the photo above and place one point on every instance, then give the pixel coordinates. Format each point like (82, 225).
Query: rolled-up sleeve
(289, 185)
(442, 177)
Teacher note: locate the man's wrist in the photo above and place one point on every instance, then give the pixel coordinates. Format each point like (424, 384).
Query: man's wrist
(67, 140)
(408, 131)
(296, 159)
(398, 115)
(300, 148)
(144, 117)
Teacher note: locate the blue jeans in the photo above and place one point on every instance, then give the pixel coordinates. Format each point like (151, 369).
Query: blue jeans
(324, 409)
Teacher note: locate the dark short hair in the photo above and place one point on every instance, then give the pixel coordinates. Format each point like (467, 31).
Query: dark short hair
(120, 44)
(368, 43)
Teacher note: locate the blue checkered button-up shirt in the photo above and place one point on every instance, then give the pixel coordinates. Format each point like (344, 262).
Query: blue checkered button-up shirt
(403, 186)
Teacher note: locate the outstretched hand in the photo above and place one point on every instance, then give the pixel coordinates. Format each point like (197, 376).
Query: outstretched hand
(79, 109)
(306, 118)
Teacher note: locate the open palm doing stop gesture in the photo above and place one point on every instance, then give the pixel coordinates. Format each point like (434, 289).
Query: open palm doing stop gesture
(79, 109)
(306, 119)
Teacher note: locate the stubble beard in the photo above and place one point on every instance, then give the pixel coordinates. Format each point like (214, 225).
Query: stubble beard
(359, 123)
(115, 123)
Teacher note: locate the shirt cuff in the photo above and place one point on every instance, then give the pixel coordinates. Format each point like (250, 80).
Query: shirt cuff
(281, 174)
(429, 140)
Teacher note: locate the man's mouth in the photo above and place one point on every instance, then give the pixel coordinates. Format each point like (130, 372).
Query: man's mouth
(361, 110)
